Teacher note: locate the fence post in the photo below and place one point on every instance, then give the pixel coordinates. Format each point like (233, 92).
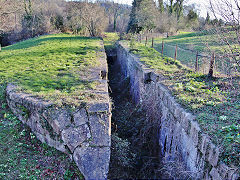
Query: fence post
(196, 64)
(146, 41)
(0, 47)
(152, 42)
(210, 73)
(162, 47)
(175, 57)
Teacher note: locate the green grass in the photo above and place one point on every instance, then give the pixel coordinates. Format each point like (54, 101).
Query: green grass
(55, 67)
(22, 156)
(189, 43)
(109, 40)
(215, 102)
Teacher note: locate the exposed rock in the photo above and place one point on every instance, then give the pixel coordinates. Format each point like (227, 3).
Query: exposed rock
(58, 118)
(98, 107)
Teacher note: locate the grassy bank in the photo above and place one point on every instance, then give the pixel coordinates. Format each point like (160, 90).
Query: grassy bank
(56, 67)
(215, 101)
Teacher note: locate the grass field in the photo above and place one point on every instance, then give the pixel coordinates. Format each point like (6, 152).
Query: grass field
(214, 101)
(55, 67)
(192, 42)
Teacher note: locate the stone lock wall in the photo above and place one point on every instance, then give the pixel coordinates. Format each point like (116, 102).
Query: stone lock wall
(179, 134)
(83, 133)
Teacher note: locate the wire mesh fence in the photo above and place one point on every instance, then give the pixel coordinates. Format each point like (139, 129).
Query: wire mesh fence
(202, 62)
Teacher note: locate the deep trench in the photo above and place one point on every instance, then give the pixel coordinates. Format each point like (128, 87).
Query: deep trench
(135, 148)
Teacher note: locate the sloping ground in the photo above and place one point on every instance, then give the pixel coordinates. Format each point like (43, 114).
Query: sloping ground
(57, 85)
(215, 102)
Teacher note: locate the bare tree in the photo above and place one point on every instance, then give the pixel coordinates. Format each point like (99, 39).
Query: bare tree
(9, 14)
(86, 18)
(228, 33)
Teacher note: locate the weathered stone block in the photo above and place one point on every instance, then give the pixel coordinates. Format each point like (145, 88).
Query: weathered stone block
(200, 161)
(34, 123)
(74, 137)
(54, 143)
(59, 119)
(194, 131)
(154, 77)
(203, 144)
(160, 91)
(100, 129)
(93, 162)
(232, 173)
(185, 120)
(189, 151)
(80, 117)
(99, 107)
(165, 98)
(164, 113)
(206, 176)
(171, 103)
(213, 155)
(178, 112)
(223, 169)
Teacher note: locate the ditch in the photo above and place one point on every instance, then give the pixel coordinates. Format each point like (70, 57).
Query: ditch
(134, 151)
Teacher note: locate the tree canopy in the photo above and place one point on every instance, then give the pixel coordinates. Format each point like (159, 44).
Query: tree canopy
(143, 16)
